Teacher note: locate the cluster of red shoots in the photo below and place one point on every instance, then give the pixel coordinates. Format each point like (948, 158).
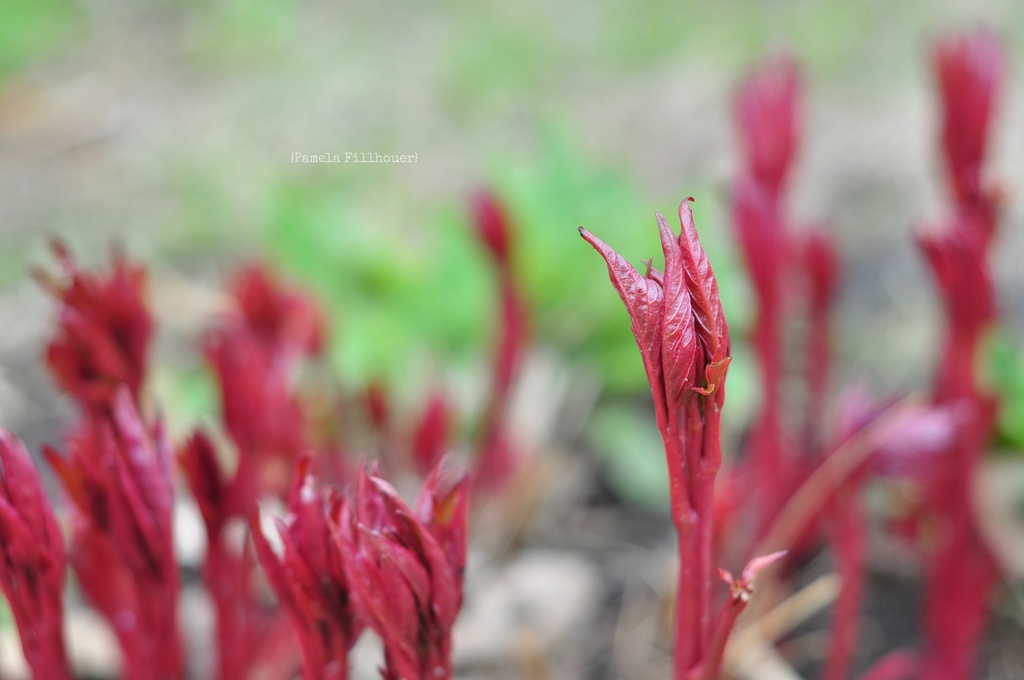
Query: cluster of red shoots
(368, 560)
(797, 482)
(347, 560)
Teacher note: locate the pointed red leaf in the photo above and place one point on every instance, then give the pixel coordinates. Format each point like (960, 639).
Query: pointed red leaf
(644, 300)
(758, 564)
(707, 305)
(679, 341)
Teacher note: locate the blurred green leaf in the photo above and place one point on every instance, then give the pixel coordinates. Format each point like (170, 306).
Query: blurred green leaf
(398, 299)
(31, 29)
(626, 442)
(235, 32)
(187, 396)
(1005, 373)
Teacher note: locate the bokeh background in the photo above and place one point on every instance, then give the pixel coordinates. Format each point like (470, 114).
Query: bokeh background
(168, 127)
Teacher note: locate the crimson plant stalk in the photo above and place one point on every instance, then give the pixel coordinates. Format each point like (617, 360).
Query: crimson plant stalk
(679, 325)
(32, 570)
(961, 570)
(253, 352)
(309, 577)
(785, 268)
(497, 459)
(118, 473)
(767, 114)
(405, 569)
(768, 117)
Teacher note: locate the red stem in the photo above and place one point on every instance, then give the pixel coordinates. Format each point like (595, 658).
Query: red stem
(819, 353)
(849, 544)
(766, 448)
(899, 665)
(324, 654)
(962, 573)
(227, 578)
(42, 641)
(708, 471)
(685, 518)
(712, 661)
(956, 608)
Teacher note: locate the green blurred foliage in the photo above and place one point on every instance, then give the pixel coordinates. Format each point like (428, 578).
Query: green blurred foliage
(188, 396)
(1005, 373)
(625, 440)
(396, 291)
(235, 33)
(34, 29)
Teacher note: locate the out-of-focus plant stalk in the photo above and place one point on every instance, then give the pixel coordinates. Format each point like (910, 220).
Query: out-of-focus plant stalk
(405, 568)
(768, 122)
(497, 458)
(961, 571)
(118, 473)
(309, 577)
(253, 351)
(33, 561)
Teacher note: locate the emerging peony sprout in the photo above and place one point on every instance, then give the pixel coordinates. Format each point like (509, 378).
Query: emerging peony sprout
(103, 333)
(285, 320)
(406, 570)
(119, 477)
(430, 439)
(680, 328)
(310, 576)
(768, 119)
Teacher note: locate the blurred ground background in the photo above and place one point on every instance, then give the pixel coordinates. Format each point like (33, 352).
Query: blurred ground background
(168, 127)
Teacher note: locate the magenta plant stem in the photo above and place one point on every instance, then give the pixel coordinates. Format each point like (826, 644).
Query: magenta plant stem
(770, 469)
(961, 570)
(849, 544)
(42, 641)
(709, 669)
(227, 578)
(962, 573)
(686, 521)
(819, 359)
